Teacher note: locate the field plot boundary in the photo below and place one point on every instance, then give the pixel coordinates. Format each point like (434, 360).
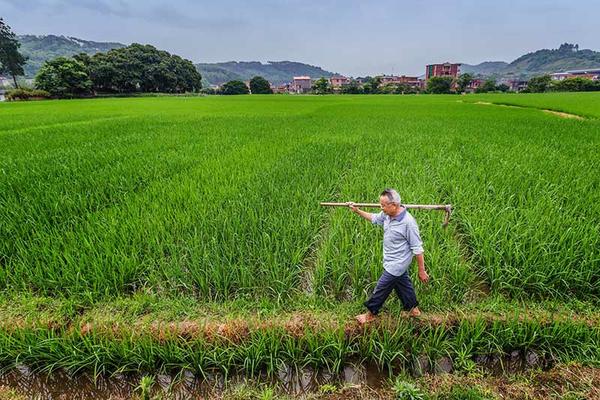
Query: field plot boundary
(558, 113)
(301, 339)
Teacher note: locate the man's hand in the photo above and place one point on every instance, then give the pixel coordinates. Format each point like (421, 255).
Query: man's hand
(352, 206)
(423, 276)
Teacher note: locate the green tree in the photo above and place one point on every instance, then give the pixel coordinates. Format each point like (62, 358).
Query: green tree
(259, 85)
(503, 87)
(234, 87)
(322, 86)
(371, 86)
(463, 81)
(11, 61)
(141, 68)
(388, 88)
(488, 86)
(577, 84)
(539, 84)
(63, 77)
(440, 85)
(351, 88)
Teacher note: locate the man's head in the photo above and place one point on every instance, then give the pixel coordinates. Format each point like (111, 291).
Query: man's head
(389, 201)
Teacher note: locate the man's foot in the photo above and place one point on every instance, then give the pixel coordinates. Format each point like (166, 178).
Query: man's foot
(414, 313)
(365, 318)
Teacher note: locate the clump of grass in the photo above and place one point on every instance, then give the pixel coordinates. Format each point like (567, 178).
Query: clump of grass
(465, 393)
(407, 391)
(145, 387)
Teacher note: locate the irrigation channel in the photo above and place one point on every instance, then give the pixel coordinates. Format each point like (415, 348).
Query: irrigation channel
(288, 380)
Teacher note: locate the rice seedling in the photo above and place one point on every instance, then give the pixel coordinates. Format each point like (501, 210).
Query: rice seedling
(171, 202)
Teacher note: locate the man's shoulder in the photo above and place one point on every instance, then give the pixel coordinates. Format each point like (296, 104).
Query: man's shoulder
(409, 219)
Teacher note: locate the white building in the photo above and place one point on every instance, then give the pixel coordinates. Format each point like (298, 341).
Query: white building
(301, 84)
(593, 73)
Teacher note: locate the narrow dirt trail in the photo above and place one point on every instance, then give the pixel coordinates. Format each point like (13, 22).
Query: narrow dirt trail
(560, 114)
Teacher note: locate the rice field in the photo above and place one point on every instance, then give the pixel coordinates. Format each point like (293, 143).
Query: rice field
(172, 209)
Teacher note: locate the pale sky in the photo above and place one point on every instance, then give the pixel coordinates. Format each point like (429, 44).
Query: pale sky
(351, 37)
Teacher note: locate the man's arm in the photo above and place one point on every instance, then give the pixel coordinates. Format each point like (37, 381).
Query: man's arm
(416, 245)
(360, 212)
(423, 276)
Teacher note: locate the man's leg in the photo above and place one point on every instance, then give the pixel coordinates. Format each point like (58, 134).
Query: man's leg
(406, 292)
(384, 287)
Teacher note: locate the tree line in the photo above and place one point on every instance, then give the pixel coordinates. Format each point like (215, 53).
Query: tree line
(545, 83)
(133, 69)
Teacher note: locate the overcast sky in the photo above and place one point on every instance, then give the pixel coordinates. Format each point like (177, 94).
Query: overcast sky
(351, 37)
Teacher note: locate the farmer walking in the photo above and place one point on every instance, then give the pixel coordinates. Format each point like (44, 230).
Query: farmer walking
(401, 242)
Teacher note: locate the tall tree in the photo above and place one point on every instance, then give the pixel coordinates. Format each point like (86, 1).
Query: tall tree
(371, 86)
(11, 61)
(440, 84)
(488, 86)
(463, 82)
(259, 85)
(141, 68)
(63, 77)
(322, 86)
(539, 84)
(234, 87)
(351, 88)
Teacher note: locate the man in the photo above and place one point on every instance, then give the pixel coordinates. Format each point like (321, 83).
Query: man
(401, 241)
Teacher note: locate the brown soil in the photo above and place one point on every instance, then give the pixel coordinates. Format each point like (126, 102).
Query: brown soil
(564, 115)
(555, 383)
(557, 113)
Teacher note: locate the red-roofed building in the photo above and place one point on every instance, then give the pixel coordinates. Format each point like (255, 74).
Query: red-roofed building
(445, 69)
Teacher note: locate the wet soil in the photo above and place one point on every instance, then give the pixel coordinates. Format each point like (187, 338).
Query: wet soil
(184, 385)
(288, 380)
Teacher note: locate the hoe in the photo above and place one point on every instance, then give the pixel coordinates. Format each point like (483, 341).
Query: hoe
(446, 207)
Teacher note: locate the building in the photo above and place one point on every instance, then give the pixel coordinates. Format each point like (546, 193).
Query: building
(472, 87)
(593, 74)
(516, 85)
(398, 79)
(338, 81)
(412, 81)
(301, 84)
(285, 88)
(445, 69)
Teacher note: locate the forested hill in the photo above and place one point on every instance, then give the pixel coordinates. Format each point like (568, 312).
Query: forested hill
(45, 47)
(276, 72)
(566, 57)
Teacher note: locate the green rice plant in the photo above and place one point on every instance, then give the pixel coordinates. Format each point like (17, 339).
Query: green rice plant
(211, 204)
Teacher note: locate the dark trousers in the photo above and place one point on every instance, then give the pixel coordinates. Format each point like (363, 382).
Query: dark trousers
(388, 282)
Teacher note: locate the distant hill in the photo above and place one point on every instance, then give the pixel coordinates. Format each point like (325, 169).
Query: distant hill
(45, 47)
(276, 72)
(485, 68)
(40, 48)
(566, 57)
